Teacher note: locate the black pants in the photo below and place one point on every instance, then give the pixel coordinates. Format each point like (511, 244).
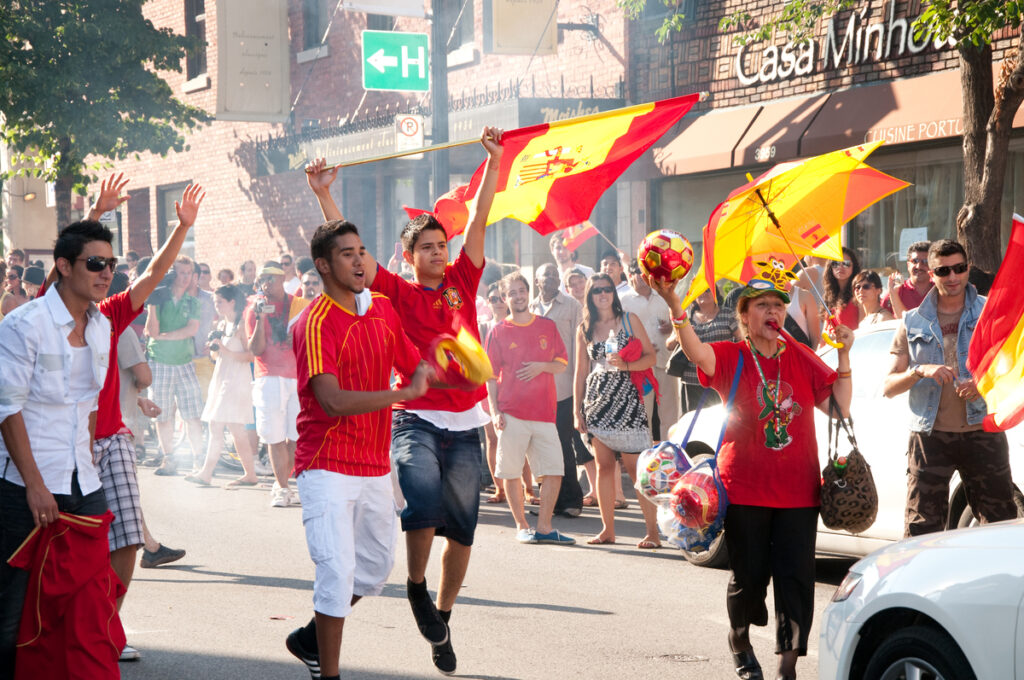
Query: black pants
(16, 523)
(776, 544)
(570, 494)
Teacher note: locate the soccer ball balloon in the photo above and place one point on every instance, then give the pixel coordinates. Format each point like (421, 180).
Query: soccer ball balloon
(656, 469)
(665, 254)
(695, 500)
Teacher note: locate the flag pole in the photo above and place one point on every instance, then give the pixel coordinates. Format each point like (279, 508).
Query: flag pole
(702, 96)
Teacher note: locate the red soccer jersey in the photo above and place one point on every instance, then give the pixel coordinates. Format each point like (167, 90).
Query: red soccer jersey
(359, 351)
(117, 308)
(509, 346)
(278, 358)
(767, 459)
(432, 312)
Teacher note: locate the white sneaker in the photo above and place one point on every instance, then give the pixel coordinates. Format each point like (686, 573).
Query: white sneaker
(279, 498)
(293, 497)
(129, 654)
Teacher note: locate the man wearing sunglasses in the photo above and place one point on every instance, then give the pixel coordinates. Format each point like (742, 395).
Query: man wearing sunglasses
(902, 297)
(930, 360)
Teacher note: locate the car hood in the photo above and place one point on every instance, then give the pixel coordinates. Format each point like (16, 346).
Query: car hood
(1002, 536)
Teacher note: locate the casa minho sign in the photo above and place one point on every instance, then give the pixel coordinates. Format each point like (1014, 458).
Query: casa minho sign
(861, 41)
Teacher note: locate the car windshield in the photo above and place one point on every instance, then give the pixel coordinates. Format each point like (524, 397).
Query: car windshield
(869, 359)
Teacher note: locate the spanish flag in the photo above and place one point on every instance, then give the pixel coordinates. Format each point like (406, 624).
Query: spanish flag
(552, 174)
(576, 236)
(995, 357)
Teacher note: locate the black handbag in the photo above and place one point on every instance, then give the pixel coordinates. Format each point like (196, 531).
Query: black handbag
(849, 499)
(678, 363)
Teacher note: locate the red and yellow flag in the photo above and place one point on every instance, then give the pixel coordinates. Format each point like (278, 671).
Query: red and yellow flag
(574, 237)
(552, 174)
(995, 357)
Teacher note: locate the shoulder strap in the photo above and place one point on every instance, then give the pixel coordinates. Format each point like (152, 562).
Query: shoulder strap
(729, 403)
(626, 324)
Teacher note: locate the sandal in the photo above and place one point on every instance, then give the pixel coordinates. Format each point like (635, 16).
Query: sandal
(495, 498)
(621, 505)
(589, 501)
(241, 482)
(597, 540)
(648, 545)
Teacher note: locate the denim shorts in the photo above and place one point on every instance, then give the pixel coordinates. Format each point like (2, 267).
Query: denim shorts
(439, 472)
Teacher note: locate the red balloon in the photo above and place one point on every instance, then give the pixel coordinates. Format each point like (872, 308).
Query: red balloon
(695, 500)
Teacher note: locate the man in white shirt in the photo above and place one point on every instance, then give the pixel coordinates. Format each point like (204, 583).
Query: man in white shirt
(565, 258)
(292, 282)
(654, 314)
(54, 352)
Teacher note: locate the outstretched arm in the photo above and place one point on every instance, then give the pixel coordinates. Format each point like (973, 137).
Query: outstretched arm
(320, 180)
(187, 211)
(473, 245)
(109, 198)
(695, 350)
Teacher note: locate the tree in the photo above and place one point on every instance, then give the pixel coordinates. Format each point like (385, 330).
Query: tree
(79, 79)
(989, 106)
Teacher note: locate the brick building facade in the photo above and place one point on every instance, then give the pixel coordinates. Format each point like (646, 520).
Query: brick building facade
(864, 76)
(258, 204)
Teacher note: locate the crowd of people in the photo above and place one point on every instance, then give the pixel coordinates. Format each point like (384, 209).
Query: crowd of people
(321, 359)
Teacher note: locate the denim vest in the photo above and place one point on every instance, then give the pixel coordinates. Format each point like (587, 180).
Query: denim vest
(924, 337)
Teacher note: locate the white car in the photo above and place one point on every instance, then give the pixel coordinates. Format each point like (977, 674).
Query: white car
(945, 606)
(882, 428)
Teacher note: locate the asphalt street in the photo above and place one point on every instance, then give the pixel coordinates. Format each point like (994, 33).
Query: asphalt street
(525, 611)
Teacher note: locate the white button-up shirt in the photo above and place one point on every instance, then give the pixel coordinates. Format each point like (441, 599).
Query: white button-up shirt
(35, 380)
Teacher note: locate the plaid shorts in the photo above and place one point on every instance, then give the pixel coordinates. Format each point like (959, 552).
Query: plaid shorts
(115, 460)
(176, 385)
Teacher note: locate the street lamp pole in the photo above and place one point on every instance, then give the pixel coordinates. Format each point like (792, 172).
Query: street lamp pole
(439, 96)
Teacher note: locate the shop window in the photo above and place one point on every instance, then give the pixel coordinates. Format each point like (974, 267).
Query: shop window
(195, 27)
(167, 216)
(314, 22)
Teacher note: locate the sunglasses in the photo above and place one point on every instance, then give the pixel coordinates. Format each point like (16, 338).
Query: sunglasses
(13, 277)
(494, 300)
(915, 260)
(863, 286)
(97, 263)
(958, 268)
(204, 272)
(841, 263)
(599, 290)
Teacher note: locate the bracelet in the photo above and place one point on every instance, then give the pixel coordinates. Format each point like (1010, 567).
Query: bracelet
(844, 374)
(680, 323)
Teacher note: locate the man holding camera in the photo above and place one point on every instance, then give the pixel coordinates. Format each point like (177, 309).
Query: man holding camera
(275, 395)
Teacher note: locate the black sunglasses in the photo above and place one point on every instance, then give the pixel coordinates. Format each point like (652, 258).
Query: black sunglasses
(204, 272)
(96, 263)
(958, 268)
(598, 290)
(841, 263)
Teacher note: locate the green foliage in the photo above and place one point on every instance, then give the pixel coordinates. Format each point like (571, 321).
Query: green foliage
(78, 78)
(971, 22)
(673, 21)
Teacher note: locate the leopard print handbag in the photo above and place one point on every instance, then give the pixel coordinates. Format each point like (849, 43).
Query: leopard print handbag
(849, 499)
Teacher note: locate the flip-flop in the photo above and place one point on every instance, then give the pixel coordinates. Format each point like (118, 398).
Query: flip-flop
(238, 482)
(597, 540)
(494, 499)
(589, 501)
(197, 480)
(648, 545)
(621, 505)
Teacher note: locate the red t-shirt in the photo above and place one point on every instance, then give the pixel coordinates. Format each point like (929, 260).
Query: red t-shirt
(760, 464)
(117, 308)
(359, 351)
(849, 314)
(430, 312)
(909, 296)
(278, 358)
(509, 346)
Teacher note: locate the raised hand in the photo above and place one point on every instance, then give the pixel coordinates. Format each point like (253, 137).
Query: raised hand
(110, 195)
(188, 209)
(318, 177)
(490, 138)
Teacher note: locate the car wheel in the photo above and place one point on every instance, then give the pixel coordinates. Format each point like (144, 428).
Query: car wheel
(918, 653)
(967, 518)
(717, 555)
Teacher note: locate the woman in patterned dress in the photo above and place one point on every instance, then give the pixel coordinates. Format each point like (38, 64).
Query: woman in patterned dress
(608, 407)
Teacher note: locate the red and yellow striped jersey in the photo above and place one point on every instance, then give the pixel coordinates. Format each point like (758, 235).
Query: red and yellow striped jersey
(360, 352)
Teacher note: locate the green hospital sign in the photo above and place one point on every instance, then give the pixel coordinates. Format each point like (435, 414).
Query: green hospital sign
(395, 61)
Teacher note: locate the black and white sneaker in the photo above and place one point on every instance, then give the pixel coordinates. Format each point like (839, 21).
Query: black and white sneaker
(444, 656)
(311, 659)
(431, 626)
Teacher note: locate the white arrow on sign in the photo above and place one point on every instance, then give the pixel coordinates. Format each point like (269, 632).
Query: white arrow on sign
(380, 61)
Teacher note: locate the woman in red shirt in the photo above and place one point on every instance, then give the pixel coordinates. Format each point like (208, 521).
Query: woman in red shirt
(839, 275)
(769, 465)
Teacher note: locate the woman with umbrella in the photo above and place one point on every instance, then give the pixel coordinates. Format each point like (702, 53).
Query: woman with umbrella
(769, 464)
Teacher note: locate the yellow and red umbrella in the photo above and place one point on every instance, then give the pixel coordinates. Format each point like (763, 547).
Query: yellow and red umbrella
(794, 209)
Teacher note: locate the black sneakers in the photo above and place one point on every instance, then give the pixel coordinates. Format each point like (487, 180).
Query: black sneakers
(312, 660)
(162, 555)
(431, 626)
(443, 655)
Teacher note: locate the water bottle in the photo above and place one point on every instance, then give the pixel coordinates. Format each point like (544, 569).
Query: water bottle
(610, 347)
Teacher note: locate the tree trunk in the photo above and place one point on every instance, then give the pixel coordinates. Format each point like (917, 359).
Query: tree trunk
(988, 122)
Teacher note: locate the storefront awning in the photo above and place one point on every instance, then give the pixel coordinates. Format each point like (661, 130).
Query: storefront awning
(776, 131)
(706, 142)
(899, 112)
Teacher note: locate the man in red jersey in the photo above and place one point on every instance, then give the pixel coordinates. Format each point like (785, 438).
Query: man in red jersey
(434, 438)
(526, 352)
(345, 349)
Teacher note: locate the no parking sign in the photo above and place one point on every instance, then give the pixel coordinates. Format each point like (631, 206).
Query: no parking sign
(409, 133)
